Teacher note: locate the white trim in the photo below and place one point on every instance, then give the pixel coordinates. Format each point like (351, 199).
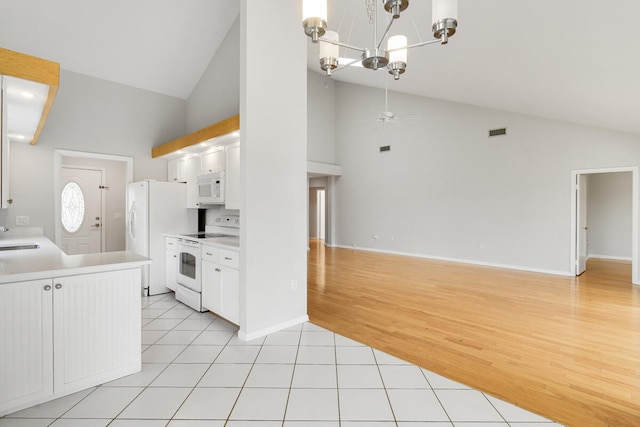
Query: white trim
(57, 166)
(611, 257)
(460, 261)
(275, 328)
(317, 169)
(635, 225)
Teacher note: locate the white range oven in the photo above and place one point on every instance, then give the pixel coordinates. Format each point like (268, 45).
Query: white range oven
(189, 284)
(225, 230)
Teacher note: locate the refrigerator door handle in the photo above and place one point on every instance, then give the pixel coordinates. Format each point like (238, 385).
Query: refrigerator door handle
(132, 222)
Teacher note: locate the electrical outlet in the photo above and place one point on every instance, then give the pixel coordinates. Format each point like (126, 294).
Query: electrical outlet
(22, 220)
(294, 285)
(117, 215)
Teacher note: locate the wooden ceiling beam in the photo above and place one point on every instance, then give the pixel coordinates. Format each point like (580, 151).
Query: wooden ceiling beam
(217, 129)
(27, 67)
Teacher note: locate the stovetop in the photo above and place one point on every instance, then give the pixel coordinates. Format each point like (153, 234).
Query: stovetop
(204, 235)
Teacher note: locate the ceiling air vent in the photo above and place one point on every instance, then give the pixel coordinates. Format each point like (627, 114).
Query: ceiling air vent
(385, 148)
(497, 132)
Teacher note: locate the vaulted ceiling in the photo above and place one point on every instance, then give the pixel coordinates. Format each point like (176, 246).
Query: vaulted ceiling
(572, 60)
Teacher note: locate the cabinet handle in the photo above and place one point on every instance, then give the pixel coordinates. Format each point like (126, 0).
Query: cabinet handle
(227, 258)
(58, 286)
(218, 270)
(47, 287)
(209, 253)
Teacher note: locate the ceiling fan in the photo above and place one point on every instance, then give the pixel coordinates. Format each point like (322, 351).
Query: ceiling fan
(388, 116)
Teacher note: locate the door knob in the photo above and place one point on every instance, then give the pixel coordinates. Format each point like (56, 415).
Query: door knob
(95, 226)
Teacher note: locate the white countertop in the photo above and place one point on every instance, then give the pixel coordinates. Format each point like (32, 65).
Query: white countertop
(227, 242)
(49, 261)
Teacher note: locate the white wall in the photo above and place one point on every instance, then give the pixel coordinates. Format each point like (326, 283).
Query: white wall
(273, 168)
(217, 94)
(321, 119)
(609, 215)
(446, 190)
(97, 116)
(115, 198)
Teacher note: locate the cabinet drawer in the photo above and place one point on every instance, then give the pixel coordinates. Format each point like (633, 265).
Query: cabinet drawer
(171, 243)
(230, 258)
(209, 253)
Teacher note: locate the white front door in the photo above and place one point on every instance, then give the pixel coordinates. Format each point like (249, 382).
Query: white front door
(581, 235)
(81, 210)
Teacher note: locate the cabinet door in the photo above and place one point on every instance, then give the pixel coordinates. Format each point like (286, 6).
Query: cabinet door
(177, 170)
(230, 295)
(26, 342)
(97, 329)
(213, 160)
(232, 176)
(193, 170)
(211, 287)
(171, 268)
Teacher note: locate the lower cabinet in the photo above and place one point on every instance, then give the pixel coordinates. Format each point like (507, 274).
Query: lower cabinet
(171, 263)
(66, 334)
(221, 283)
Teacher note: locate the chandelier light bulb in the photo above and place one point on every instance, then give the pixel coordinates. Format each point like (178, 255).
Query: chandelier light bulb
(329, 52)
(397, 42)
(314, 18)
(314, 9)
(445, 18)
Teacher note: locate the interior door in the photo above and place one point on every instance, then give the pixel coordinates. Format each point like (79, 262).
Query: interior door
(581, 235)
(81, 210)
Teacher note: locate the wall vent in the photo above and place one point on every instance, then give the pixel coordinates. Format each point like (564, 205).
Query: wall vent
(497, 132)
(385, 148)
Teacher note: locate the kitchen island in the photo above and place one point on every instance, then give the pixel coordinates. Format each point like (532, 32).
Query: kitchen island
(67, 322)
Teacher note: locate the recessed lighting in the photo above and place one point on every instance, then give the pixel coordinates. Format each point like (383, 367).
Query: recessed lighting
(236, 134)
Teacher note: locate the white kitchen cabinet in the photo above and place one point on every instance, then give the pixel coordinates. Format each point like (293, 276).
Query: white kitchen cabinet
(66, 334)
(177, 169)
(26, 342)
(171, 262)
(4, 148)
(193, 170)
(221, 283)
(213, 160)
(232, 190)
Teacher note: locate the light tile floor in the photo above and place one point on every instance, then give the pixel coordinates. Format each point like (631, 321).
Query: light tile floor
(196, 372)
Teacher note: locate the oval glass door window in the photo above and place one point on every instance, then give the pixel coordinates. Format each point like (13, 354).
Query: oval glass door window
(72, 206)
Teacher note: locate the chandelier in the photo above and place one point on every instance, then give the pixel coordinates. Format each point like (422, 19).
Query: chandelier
(394, 57)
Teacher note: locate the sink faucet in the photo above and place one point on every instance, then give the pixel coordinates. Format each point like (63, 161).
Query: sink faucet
(3, 229)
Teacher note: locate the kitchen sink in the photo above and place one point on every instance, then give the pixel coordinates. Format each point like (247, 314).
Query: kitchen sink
(17, 246)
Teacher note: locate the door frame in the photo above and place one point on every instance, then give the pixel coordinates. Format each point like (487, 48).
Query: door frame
(57, 160)
(635, 226)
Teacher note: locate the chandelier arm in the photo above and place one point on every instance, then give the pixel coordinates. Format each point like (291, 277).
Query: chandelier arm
(348, 64)
(418, 45)
(386, 31)
(337, 43)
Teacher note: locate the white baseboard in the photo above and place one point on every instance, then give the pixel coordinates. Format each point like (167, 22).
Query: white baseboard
(271, 329)
(462, 261)
(611, 257)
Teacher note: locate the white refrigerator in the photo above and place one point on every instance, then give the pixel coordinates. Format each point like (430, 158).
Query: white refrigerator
(156, 208)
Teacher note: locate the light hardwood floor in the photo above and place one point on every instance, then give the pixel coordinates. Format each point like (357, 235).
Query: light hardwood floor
(565, 348)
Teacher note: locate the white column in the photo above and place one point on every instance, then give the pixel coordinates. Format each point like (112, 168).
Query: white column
(273, 115)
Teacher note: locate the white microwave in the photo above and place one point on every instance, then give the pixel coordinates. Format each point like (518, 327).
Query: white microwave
(211, 188)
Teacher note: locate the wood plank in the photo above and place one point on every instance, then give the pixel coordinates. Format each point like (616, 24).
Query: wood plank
(223, 127)
(563, 347)
(35, 69)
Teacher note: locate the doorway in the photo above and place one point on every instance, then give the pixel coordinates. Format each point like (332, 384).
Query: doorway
(604, 217)
(117, 172)
(317, 213)
(81, 210)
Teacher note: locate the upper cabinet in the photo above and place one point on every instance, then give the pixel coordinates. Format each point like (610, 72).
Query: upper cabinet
(28, 86)
(212, 149)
